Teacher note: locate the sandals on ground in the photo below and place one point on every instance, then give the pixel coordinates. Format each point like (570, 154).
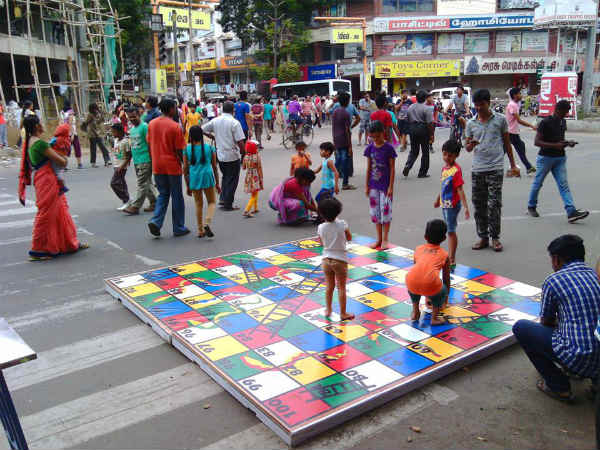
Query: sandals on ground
(566, 397)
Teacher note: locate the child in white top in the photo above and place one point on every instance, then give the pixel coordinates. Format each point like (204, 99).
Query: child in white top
(334, 234)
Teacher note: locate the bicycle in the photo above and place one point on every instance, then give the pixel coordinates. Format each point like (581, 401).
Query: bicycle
(291, 135)
(456, 130)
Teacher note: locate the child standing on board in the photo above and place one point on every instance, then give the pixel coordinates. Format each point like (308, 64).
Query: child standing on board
(302, 158)
(254, 177)
(452, 195)
(331, 178)
(381, 173)
(424, 277)
(334, 234)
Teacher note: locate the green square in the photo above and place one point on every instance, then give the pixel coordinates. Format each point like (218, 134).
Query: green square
(358, 273)
(336, 390)
(259, 286)
(146, 301)
(502, 297)
(319, 297)
(236, 259)
(296, 265)
(399, 310)
(318, 250)
(243, 365)
(375, 345)
(216, 311)
(291, 326)
(204, 275)
(487, 327)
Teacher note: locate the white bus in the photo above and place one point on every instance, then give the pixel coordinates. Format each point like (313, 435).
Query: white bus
(304, 88)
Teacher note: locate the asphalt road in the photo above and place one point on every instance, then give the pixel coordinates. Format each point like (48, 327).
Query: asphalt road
(104, 380)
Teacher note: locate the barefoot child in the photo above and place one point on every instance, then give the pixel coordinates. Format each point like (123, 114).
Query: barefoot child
(200, 171)
(254, 177)
(334, 234)
(331, 177)
(452, 196)
(121, 157)
(424, 277)
(380, 182)
(302, 158)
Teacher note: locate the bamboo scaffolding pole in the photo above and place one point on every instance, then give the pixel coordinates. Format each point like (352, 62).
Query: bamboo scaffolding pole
(48, 62)
(12, 56)
(33, 64)
(95, 57)
(70, 43)
(113, 69)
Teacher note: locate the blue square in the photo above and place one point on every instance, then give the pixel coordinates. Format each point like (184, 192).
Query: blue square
(528, 307)
(363, 240)
(286, 248)
(216, 284)
(315, 341)
(425, 325)
(378, 283)
(399, 262)
(405, 361)
(352, 306)
(168, 309)
(255, 264)
(237, 322)
(279, 293)
(468, 272)
(159, 274)
(456, 296)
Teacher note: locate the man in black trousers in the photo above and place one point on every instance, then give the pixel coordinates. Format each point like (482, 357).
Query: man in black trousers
(420, 125)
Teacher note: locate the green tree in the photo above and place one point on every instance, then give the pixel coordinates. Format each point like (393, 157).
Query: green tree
(289, 72)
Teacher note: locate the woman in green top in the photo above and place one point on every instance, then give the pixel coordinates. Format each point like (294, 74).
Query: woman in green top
(201, 177)
(54, 231)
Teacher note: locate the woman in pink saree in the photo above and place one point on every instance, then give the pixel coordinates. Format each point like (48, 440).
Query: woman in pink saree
(54, 231)
(292, 198)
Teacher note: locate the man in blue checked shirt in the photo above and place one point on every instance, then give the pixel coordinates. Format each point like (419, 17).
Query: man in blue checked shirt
(568, 319)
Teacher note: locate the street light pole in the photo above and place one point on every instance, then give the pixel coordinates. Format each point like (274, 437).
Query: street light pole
(587, 88)
(175, 51)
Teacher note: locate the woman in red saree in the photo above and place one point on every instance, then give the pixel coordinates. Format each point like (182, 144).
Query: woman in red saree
(54, 231)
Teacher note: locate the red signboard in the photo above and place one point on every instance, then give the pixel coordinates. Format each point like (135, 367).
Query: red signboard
(556, 86)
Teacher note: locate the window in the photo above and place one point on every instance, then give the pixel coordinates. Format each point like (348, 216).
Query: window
(395, 6)
(337, 9)
(307, 55)
(332, 52)
(516, 4)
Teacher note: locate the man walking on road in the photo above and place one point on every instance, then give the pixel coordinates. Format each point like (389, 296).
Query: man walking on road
(242, 114)
(167, 142)
(420, 119)
(513, 118)
(365, 107)
(342, 140)
(550, 138)
(229, 138)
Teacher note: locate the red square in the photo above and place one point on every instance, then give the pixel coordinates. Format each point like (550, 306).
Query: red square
(462, 338)
(299, 305)
(296, 406)
(257, 337)
(342, 357)
(232, 293)
(185, 320)
(359, 261)
(399, 293)
(490, 279)
(214, 263)
(172, 283)
(480, 305)
(272, 271)
(376, 320)
(302, 254)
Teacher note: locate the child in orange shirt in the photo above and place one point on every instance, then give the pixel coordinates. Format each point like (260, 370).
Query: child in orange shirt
(301, 158)
(61, 143)
(424, 277)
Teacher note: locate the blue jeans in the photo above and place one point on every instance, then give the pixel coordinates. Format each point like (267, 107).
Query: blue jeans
(169, 186)
(558, 167)
(342, 164)
(3, 140)
(536, 340)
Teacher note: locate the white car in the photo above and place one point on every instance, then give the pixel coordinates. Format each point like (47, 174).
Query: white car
(446, 94)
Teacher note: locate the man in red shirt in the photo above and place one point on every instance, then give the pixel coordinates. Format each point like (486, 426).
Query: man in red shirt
(167, 142)
(383, 116)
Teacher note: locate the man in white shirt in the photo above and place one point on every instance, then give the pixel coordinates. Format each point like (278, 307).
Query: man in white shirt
(229, 139)
(211, 110)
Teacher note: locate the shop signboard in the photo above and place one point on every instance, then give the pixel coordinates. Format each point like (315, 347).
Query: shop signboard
(345, 70)
(552, 13)
(452, 22)
(211, 87)
(450, 7)
(321, 72)
(450, 42)
(494, 21)
(236, 62)
(557, 86)
(204, 65)
(477, 42)
(508, 42)
(480, 65)
(346, 35)
(200, 19)
(418, 69)
(407, 44)
(534, 41)
(161, 81)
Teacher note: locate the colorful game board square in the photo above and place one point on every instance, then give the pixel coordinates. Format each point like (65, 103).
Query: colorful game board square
(279, 293)
(314, 261)
(372, 375)
(528, 307)
(185, 320)
(399, 310)
(316, 341)
(259, 336)
(398, 293)
(342, 357)
(254, 264)
(378, 282)
(205, 275)
(201, 301)
(399, 276)
(269, 384)
(186, 291)
(357, 289)
(353, 306)
(309, 244)
(317, 317)
(172, 283)
(220, 348)
(458, 297)
(473, 287)
(159, 274)
(258, 286)
(396, 261)
(374, 345)
(405, 361)
(187, 269)
(298, 265)
(216, 284)
(402, 252)
(360, 261)
(480, 306)
(201, 333)
(434, 349)
(424, 324)
(408, 333)
(168, 309)
(272, 271)
(487, 327)
(522, 289)
(309, 286)
(233, 293)
(468, 272)
(296, 406)
(510, 316)
(217, 311)
(249, 302)
(244, 365)
(237, 322)
(376, 300)
(292, 326)
(279, 259)
(286, 248)
(287, 279)
(299, 305)
(461, 337)
(130, 281)
(244, 278)
(145, 301)
(380, 267)
(457, 315)
(362, 240)
(375, 320)
(361, 250)
(269, 313)
(358, 273)
(227, 271)
(142, 289)
(493, 280)
(281, 353)
(238, 258)
(501, 297)
(214, 263)
(302, 254)
(307, 370)
(346, 331)
(456, 279)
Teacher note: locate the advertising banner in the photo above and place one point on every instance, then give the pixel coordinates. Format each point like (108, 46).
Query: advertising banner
(477, 42)
(553, 13)
(453, 22)
(200, 19)
(418, 69)
(480, 65)
(407, 44)
(508, 41)
(345, 70)
(495, 21)
(346, 35)
(321, 72)
(236, 62)
(451, 7)
(534, 41)
(161, 81)
(203, 65)
(557, 86)
(450, 42)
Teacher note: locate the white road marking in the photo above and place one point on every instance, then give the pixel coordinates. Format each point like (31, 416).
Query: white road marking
(6, 195)
(149, 261)
(72, 423)
(22, 223)
(82, 355)
(17, 211)
(16, 202)
(17, 240)
(114, 245)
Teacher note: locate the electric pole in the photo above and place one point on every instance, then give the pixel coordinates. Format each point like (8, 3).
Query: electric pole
(588, 73)
(175, 51)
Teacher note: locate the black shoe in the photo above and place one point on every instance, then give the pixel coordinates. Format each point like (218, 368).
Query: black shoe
(154, 230)
(405, 172)
(208, 232)
(424, 176)
(578, 215)
(182, 233)
(532, 212)
(229, 208)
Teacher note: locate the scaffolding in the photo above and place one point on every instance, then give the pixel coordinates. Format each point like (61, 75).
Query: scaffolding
(84, 25)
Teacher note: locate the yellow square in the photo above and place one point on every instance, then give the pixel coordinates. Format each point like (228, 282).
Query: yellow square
(220, 348)
(376, 300)
(241, 278)
(277, 260)
(456, 314)
(434, 349)
(142, 289)
(473, 287)
(307, 286)
(201, 301)
(309, 243)
(269, 313)
(362, 250)
(346, 331)
(186, 269)
(398, 275)
(307, 370)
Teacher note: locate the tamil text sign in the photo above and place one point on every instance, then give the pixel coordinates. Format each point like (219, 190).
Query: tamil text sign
(565, 12)
(200, 19)
(321, 72)
(346, 35)
(418, 69)
(455, 22)
(479, 65)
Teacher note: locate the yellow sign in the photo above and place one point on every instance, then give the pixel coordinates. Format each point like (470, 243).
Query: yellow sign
(200, 19)
(161, 81)
(205, 64)
(367, 76)
(418, 69)
(384, 85)
(346, 36)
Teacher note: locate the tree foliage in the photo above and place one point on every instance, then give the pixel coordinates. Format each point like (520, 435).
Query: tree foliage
(289, 72)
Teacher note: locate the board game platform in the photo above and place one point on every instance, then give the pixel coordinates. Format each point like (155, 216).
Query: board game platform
(254, 321)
